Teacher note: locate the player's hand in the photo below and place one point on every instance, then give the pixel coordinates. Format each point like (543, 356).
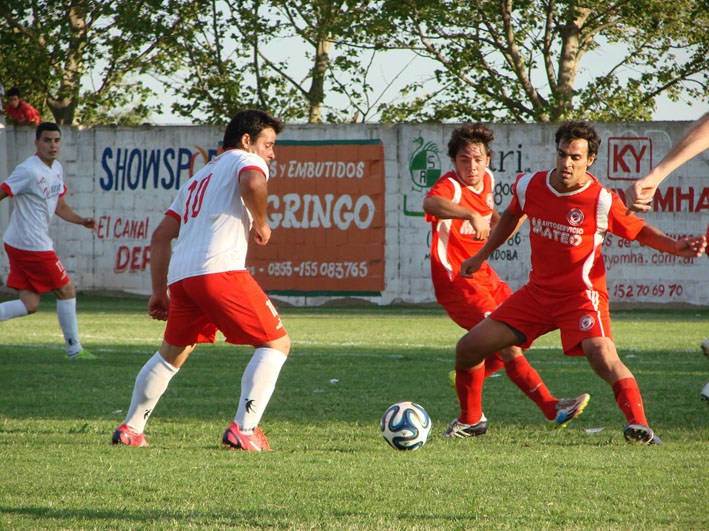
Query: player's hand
(691, 247)
(638, 196)
(470, 266)
(481, 226)
(158, 306)
(262, 233)
(90, 223)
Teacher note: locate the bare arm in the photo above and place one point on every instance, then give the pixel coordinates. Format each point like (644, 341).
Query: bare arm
(160, 252)
(3, 194)
(505, 227)
(689, 247)
(443, 208)
(65, 212)
(254, 193)
(694, 141)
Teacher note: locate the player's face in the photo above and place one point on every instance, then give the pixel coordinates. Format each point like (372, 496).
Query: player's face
(471, 161)
(48, 146)
(263, 145)
(13, 101)
(572, 162)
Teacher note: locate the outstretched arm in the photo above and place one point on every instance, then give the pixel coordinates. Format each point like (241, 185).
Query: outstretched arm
(65, 212)
(505, 227)
(694, 141)
(692, 246)
(443, 208)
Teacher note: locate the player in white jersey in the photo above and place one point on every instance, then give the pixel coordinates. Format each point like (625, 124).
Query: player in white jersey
(37, 185)
(209, 286)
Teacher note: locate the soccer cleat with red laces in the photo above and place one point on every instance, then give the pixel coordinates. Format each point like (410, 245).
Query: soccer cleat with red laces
(236, 439)
(124, 435)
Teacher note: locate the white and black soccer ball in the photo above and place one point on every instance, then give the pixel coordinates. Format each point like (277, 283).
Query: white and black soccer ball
(405, 426)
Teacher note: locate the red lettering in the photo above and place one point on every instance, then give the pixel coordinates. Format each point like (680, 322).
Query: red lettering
(689, 197)
(618, 158)
(135, 259)
(122, 258)
(703, 202)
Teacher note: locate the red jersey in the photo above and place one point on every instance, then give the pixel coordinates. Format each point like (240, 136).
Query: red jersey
(23, 113)
(452, 240)
(566, 231)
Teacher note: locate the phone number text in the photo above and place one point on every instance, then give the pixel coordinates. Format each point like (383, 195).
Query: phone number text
(629, 291)
(319, 269)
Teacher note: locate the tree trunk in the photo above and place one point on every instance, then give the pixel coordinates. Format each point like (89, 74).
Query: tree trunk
(569, 58)
(316, 94)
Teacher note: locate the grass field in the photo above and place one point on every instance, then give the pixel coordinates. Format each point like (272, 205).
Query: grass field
(331, 469)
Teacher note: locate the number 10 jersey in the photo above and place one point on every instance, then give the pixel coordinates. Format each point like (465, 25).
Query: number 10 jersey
(214, 222)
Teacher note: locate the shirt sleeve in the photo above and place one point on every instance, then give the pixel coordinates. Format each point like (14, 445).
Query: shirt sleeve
(176, 209)
(514, 206)
(31, 114)
(443, 188)
(620, 224)
(19, 181)
(253, 162)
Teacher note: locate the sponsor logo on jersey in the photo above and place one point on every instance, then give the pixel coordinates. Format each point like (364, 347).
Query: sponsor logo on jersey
(490, 200)
(556, 231)
(574, 217)
(586, 323)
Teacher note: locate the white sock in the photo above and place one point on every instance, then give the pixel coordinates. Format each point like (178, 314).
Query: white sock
(66, 312)
(12, 309)
(150, 384)
(257, 385)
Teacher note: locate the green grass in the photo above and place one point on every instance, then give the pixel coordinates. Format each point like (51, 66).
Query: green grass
(331, 469)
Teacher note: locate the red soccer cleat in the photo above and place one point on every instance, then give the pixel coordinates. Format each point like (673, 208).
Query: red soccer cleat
(235, 439)
(124, 435)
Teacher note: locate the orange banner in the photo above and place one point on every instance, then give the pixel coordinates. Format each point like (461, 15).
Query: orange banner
(326, 210)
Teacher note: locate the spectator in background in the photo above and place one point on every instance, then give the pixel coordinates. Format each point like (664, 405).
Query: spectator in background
(21, 112)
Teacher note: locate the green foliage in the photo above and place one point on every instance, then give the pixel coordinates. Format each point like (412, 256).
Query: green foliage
(331, 469)
(520, 60)
(80, 60)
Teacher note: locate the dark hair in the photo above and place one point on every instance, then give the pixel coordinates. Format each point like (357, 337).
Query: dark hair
(470, 134)
(14, 91)
(251, 122)
(46, 126)
(579, 131)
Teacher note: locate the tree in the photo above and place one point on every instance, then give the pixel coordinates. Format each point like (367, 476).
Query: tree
(282, 56)
(520, 60)
(80, 58)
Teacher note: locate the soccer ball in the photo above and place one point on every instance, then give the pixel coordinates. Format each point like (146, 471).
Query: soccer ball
(406, 426)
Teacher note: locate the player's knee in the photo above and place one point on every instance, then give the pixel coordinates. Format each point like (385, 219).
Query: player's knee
(467, 353)
(31, 305)
(282, 344)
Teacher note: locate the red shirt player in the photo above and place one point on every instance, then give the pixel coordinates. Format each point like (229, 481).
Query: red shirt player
(21, 112)
(461, 207)
(570, 213)
(210, 288)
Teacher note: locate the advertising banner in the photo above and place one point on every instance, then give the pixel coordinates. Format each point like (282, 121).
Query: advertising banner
(326, 210)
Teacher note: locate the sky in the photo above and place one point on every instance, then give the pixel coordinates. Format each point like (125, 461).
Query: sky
(388, 69)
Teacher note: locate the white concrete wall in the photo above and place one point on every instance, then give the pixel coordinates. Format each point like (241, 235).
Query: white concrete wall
(109, 175)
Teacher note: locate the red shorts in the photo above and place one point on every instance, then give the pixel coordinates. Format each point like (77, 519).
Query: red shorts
(578, 316)
(231, 302)
(474, 299)
(38, 271)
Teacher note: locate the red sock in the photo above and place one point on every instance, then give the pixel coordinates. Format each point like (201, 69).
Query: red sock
(493, 364)
(469, 386)
(629, 400)
(528, 380)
